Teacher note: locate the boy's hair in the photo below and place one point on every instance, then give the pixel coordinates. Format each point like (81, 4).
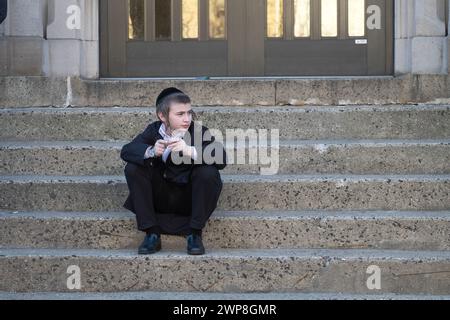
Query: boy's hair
(163, 106)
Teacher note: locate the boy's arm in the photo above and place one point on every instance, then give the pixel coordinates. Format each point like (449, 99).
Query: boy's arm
(135, 150)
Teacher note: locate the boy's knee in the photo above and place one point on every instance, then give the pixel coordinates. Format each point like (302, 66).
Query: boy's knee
(206, 173)
(132, 170)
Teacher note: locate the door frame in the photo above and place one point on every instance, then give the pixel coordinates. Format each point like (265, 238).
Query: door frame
(114, 61)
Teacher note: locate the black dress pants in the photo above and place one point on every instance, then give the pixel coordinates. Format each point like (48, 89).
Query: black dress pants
(174, 208)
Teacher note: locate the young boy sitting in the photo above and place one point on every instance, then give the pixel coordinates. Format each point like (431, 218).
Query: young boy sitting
(173, 175)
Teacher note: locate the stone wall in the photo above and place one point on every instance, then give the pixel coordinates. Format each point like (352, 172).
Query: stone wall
(420, 37)
(35, 39)
(73, 51)
(21, 46)
(448, 37)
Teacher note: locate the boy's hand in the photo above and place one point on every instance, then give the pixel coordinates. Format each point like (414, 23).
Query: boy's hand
(180, 145)
(160, 146)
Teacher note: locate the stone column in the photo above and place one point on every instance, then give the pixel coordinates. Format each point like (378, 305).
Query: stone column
(428, 44)
(448, 37)
(22, 40)
(420, 42)
(3, 49)
(72, 49)
(2, 27)
(404, 30)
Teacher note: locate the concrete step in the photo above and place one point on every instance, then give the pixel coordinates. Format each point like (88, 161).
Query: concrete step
(42, 91)
(240, 192)
(308, 157)
(183, 296)
(403, 230)
(250, 271)
(310, 123)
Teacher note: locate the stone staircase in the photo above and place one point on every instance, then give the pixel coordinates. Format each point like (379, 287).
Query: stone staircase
(358, 186)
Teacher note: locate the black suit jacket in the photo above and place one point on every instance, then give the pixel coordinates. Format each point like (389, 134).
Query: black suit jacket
(179, 173)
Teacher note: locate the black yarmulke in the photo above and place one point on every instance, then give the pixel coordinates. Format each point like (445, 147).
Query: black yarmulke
(166, 92)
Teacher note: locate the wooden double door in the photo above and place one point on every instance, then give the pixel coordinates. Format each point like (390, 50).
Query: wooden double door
(208, 38)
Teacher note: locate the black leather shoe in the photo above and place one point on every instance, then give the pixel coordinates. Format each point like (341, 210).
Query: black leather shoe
(151, 244)
(195, 245)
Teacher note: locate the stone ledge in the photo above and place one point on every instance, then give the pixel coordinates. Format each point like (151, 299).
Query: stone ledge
(400, 230)
(240, 192)
(183, 296)
(273, 270)
(408, 89)
(295, 157)
(311, 123)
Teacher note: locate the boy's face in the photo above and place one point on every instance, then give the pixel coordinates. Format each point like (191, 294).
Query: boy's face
(180, 116)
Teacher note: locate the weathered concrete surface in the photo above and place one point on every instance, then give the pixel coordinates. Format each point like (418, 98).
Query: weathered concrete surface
(427, 230)
(228, 270)
(144, 92)
(31, 91)
(305, 157)
(78, 92)
(405, 89)
(21, 56)
(312, 123)
(303, 91)
(240, 192)
(243, 255)
(183, 296)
